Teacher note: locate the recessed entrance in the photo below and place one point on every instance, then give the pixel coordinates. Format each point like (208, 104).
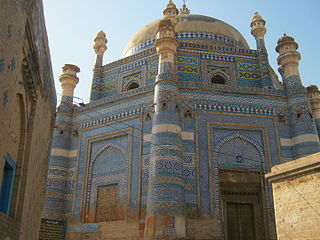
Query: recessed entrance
(242, 201)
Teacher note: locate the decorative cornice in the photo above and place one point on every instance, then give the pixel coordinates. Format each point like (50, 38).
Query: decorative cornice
(235, 109)
(111, 118)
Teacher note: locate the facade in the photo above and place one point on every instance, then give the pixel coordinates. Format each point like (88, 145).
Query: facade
(27, 116)
(296, 191)
(178, 135)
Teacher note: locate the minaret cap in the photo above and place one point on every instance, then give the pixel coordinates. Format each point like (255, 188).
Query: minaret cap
(171, 12)
(69, 79)
(258, 29)
(289, 57)
(286, 40)
(100, 42)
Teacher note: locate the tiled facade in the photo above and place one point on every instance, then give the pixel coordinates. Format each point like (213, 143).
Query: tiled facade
(178, 148)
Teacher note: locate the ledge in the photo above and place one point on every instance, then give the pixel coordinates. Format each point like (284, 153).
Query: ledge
(294, 168)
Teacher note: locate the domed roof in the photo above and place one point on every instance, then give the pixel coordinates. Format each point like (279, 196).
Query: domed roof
(202, 27)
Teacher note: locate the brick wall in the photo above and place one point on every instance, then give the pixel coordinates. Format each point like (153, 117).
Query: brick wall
(296, 191)
(27, 107)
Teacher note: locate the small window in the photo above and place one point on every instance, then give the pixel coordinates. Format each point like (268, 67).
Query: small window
(132, 86)
(148, 117)
(164, 106)
(298, 115)
(188, 114)
(7, 184)
(218, 79)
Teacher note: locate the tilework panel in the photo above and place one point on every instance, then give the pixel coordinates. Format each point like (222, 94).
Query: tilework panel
(152, 71)
(188, 68)
(105, 85)
(251, 74)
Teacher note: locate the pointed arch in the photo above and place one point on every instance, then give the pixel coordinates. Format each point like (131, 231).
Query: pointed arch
(132, 85)
(108, 166)
(219, 77)
(242, 142)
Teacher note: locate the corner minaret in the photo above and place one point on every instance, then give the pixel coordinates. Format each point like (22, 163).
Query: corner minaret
(62, 148)
(304, 138)
(258, 30)
(100, 46)
(165, 217)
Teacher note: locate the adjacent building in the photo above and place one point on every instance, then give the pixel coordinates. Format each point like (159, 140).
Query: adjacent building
(27, 113)
(296, 191)
(178, 135)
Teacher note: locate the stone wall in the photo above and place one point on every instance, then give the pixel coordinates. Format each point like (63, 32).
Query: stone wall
(296, 191)
(27, 107)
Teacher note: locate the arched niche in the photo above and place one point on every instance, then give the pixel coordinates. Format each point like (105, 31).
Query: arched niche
(107, 186)
(218, 77)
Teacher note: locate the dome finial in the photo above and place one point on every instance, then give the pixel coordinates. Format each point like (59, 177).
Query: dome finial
(184, 9)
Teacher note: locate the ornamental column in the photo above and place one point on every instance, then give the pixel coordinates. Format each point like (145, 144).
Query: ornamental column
(304, 138)
(166, 190)
(258, 30)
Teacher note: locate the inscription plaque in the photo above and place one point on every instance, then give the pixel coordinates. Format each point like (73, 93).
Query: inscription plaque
(52, 230)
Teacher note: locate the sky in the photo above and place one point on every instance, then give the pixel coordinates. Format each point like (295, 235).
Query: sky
(73, 24)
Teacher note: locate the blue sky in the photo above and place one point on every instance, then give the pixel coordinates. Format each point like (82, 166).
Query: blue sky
(73, 24)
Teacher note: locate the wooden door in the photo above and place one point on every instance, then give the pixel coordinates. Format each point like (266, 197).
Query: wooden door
(240, 221)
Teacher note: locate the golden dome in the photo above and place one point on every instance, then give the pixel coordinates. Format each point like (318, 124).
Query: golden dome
(199, 26)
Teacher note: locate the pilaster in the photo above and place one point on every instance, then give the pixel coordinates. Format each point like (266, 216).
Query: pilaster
(166, 190)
